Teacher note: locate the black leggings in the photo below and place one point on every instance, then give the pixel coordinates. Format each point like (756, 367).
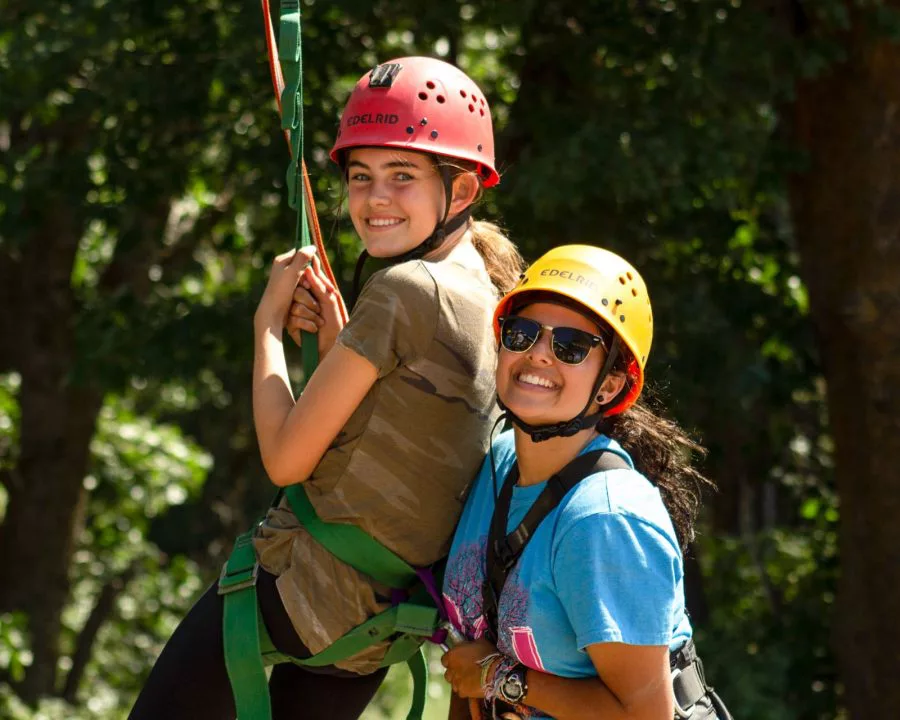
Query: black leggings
(189, 680)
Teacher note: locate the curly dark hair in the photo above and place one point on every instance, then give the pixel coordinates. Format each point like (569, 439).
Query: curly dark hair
(664, 453)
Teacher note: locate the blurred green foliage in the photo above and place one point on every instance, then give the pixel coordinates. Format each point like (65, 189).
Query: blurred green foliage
(650, 127)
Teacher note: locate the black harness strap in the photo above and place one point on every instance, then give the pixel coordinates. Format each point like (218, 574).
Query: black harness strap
(503, 551)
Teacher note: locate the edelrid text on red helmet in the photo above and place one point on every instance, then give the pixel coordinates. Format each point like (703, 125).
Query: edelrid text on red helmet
(420, 104)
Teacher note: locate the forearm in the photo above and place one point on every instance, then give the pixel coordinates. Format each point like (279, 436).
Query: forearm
(564, 698)
(273, 399)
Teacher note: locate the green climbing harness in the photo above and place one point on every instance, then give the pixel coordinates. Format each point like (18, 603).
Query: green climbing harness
(408, 623)
(248, 648)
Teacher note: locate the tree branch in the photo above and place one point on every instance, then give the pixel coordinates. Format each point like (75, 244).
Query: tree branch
(103, 609)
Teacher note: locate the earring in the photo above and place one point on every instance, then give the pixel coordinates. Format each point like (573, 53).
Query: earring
(600, 399)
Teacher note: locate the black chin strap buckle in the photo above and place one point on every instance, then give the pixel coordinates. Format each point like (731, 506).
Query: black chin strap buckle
(566, 429)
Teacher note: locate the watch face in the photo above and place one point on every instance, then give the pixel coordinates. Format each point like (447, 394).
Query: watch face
(513, 689)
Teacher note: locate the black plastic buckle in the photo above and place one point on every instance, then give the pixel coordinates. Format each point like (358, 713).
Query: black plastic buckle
(383, 75)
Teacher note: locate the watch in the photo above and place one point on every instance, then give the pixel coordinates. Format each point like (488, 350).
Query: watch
(513, 686)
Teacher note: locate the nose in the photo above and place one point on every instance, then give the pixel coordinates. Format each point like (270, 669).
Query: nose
(541, 353)
(379, 196)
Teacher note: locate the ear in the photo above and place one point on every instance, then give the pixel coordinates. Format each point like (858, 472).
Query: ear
(610, 387)
(465, 191)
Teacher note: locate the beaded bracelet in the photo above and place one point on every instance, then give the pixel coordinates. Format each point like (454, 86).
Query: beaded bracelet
(486, 663)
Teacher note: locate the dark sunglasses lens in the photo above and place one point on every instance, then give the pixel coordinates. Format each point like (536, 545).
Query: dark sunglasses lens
(571, 346)
(518, 334)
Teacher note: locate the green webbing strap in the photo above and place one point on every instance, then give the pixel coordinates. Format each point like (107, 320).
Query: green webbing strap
(241, 638)
(350, 544)
(248, 647)
(419, 671)
(291, 57)
(413, 622)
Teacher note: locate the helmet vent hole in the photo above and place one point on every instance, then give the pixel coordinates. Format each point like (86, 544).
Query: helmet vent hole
(621, 318)
(430, 85)
(481, 110)
(605, 301)
(479, 147)
(441, 99)
(434, 134)
(462, 93)
(410, 130)
(629, 275)
(633, 292)
(471, 108)
(423, 96)
(481, 101)
(621, 279)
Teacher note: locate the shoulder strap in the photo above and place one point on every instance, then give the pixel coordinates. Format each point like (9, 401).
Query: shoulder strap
(503, 551)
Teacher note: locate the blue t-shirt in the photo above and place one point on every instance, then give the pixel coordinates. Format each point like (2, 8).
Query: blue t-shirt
(603, 566)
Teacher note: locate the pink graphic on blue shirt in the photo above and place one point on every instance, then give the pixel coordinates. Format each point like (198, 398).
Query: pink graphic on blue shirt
(525, 647)
(464, 604)
(462, 590)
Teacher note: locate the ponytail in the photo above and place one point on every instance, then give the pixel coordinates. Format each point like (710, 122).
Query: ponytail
(501, 258)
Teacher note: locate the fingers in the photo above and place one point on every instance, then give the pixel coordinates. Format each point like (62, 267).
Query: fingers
(475, 708)
(315, 280)
(304, 257)
(305, 312)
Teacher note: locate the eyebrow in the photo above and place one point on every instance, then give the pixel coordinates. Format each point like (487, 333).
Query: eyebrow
(386, 166)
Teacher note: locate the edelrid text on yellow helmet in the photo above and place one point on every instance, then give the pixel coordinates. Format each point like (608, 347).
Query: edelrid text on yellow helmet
(605, 284)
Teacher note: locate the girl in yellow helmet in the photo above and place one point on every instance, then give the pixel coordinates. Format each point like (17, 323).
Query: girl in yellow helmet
(567, 576)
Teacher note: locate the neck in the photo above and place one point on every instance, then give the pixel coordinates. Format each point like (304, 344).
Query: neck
(456, 246)
(540, 461)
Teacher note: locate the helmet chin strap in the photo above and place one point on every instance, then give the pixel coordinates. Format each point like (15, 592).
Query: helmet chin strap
(540, 433)
(432, 242)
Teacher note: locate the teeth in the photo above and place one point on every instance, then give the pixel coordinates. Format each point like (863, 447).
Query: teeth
(383, 222)
(529, 379)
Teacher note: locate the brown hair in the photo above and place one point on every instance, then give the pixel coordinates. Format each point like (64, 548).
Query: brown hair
(502, 259)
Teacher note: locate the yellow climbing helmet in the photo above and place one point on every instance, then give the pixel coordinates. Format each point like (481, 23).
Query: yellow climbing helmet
(605, 284)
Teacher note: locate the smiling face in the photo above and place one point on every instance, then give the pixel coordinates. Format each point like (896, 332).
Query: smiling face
(540, 389)
(396, 198)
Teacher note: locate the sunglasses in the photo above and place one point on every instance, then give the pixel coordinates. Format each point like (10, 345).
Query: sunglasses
(570, 346)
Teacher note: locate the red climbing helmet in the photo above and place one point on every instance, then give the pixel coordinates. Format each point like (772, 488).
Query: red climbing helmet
(423, 104)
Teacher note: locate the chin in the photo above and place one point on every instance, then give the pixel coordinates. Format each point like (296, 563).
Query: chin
(380, 249)
(535, 416)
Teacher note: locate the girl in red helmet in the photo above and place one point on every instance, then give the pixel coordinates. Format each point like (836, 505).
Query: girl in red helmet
(566, 571)
(393, 424)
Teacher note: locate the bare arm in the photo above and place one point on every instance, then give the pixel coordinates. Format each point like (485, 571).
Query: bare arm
(636, 683)
(294, 435)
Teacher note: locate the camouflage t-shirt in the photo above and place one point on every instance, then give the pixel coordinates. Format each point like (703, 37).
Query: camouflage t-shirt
(401, 466)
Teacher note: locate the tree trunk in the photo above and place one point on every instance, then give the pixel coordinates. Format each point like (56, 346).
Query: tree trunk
(57, 422)
(846, 212)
